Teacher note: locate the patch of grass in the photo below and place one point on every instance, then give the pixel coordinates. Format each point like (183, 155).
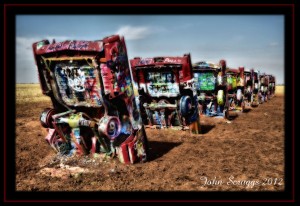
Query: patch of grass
(279, 89)
(27, 93)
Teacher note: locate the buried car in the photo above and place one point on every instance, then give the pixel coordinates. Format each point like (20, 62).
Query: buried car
(272, 87)
(205, 76)
(255, 87)
(94, 106)
(229, 90)
(235, 87)
(248, 88)
(264, 87)
(166, 92)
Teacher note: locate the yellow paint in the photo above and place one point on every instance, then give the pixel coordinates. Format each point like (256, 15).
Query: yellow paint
(73, 120)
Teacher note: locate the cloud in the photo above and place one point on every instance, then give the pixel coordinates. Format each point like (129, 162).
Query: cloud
(24, 44)
(59, 38)
(133, 33)
(25, 65)
(24, 51)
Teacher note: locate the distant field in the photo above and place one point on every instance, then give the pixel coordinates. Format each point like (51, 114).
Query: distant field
(32, 93)
(26, 93)
(279, 90)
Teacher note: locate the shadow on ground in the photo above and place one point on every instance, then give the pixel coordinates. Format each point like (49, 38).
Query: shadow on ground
(206, 128)
(247, 110)
(158, 149)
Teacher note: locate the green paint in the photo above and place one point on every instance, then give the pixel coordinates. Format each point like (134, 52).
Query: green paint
(205, 81)
(231, 82)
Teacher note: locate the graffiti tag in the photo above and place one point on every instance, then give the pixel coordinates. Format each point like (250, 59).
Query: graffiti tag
(189, 84)
(162, 88)
(145, 61)
(79, 45)
(175, 61)
(55, 46)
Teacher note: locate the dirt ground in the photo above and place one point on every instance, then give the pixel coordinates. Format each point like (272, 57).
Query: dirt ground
(244, 154)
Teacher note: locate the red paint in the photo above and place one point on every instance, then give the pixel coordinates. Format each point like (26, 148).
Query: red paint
(92, 46)
(158, 62)
(108, 79)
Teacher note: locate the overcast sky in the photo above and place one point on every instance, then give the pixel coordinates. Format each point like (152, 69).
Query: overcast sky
(252, 41)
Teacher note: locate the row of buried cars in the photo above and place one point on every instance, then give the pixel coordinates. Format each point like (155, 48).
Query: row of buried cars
(173, 91)
(102, 101)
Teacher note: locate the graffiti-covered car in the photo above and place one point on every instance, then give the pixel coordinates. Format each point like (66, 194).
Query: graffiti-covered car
(234, 97)
(94, 106)
(248, 87)
(272, 87)
(166, 91)
(244, 89)
(264, 87)
(228, 83)
(205, 76)
(255, 87)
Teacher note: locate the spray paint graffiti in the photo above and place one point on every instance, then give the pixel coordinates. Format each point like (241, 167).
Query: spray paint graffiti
(172, 60)
(95, 108)
(145, 61)
(77, 84)
(79, 45)
(55, 46)
(190, 84)
(161, 83)
(205, 81)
